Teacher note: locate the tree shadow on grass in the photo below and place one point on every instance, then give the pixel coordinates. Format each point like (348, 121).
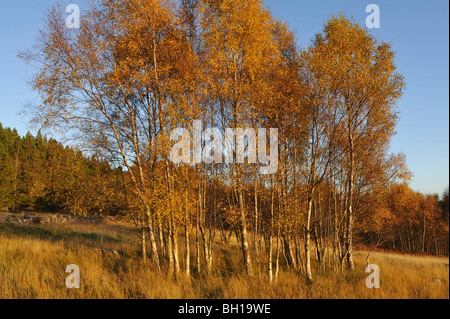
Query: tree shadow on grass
(55, 235)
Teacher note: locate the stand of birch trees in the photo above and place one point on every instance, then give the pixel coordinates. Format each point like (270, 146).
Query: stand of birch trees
(138, 69)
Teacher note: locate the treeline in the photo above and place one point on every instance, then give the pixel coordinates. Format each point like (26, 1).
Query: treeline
(136, 70)
(40, 174)
(409, 221)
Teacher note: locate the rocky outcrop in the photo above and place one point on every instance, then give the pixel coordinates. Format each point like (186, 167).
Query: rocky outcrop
(54, 219)
(113, 252)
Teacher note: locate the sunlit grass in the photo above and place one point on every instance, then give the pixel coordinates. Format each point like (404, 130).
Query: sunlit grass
(33, 261)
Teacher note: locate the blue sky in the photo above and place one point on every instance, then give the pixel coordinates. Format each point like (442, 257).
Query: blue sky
(418, 31)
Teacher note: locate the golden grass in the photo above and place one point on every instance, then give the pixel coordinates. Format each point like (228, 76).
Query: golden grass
(33, 261)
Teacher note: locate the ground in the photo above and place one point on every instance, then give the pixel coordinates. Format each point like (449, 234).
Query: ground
(33, 259)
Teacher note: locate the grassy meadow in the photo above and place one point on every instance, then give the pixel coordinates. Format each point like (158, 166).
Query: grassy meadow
(33, 259)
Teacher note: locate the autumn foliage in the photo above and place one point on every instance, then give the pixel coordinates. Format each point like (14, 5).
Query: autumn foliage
(136, 70)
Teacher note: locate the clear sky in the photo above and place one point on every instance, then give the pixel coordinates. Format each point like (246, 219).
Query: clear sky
(417, 29)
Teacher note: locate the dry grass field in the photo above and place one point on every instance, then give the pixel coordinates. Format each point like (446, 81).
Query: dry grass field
(33, 259)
